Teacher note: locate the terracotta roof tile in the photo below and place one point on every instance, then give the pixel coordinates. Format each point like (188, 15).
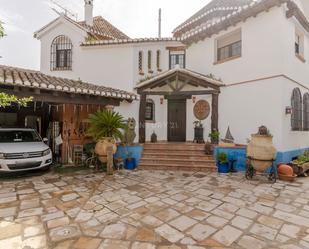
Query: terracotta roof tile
(214, 10)
(127, 41)
(201, 27)
(102, 29)
(36, 79)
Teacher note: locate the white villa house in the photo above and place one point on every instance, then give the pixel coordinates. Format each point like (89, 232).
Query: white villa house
(249, 59)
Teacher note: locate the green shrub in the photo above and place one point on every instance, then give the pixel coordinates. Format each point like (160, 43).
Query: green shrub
(222, 158)
(106, 124)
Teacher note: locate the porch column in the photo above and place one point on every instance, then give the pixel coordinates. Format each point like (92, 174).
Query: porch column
(142, 121)
(215, 113)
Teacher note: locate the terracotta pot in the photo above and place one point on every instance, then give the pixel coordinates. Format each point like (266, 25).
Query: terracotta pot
(101, 148)
(261, 151)
(285, 170)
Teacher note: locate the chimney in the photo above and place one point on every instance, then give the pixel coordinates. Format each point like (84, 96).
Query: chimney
(89, 12)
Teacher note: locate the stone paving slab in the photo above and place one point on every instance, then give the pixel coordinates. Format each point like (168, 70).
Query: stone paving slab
(153, 210)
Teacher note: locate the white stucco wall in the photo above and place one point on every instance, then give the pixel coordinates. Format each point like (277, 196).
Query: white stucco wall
(62, 28)
(109, 65)
(248, 106)
(262, 50)
(291, 140)
(267, 51)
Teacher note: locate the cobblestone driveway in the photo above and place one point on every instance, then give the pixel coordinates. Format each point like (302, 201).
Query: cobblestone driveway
(148, 210)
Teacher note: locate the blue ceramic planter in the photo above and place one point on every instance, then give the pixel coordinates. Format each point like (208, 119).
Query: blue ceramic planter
(223, 167)
(130, 164)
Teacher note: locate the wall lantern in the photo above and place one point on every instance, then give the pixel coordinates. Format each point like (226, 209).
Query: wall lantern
(288, 110)
(161, 100)
(194, 99)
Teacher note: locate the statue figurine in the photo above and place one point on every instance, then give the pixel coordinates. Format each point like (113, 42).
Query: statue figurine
(129, 133)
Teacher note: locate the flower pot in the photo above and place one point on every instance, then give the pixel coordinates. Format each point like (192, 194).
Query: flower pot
(223, 167)
(285, 170)
(130, 164)
(287, 178)
(101, 148)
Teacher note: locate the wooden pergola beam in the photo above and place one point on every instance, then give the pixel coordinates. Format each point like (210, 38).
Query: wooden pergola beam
(215, 113)
(142, 118)
(182, 93)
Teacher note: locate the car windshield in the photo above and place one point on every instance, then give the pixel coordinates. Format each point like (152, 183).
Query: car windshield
(19, 136)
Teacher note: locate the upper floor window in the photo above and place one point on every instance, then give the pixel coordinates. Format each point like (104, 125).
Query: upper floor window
(229, 46)
(140, 61)
(61, 53)
(150, 110)
(299, 45)
(296, 103)
(149, 61)
(177, 59)
(306, 112)
(158, 60)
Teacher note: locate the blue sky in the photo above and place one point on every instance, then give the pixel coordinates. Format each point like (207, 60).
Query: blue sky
(136, 18)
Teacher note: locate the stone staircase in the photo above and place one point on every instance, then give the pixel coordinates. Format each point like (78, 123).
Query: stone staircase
(176, 156)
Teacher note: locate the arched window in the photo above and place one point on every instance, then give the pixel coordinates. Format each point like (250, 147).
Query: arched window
(149, 60)
(158, 60)
(306, 112)
(296, 102)
(140, 61)
(150, 110)
(61, 53)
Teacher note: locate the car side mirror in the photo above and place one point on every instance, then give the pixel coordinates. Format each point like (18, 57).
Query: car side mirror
(45, 140)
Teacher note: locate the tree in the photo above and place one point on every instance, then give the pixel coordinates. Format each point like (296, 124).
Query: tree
(7, 99)
(1, 30)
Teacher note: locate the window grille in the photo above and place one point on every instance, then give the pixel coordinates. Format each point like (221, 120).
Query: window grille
(158, 59)
(149, 60)
(140, 61)
(296, 117)
(61, 53)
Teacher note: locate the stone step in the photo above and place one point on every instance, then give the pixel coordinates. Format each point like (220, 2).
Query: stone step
(178, 161)
(176, 154)
(175, 167)
(175, 147)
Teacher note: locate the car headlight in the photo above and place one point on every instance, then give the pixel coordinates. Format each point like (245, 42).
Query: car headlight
(46, 152)
(2, 156)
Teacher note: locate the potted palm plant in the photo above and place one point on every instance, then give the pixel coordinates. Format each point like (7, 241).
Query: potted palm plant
(105, 127)
(223, 163)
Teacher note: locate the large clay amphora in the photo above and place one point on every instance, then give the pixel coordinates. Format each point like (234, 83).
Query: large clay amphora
(101, 148)
(261, 151)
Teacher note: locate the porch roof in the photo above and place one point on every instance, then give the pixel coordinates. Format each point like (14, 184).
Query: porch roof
(13, 76)
(188, 76)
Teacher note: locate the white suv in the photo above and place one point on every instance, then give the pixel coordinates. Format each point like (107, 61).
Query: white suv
(22, 149)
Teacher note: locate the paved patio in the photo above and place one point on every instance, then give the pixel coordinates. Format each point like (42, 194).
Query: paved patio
(148, 210)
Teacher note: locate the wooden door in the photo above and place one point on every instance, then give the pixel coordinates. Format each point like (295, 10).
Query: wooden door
(176, 129)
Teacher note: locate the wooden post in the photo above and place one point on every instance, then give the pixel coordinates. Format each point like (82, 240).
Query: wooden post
(110, 160)
(142, 121)
(215, 114)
